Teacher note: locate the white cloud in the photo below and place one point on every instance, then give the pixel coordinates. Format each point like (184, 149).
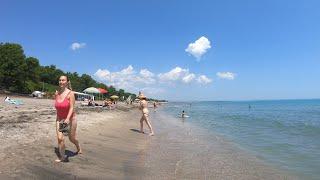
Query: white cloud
(126, 78)
(145, 73)
(146, 81)
(202, 79)
(182, 75)
(199, 47)
(146, 76)
(189, 78)
(75, 46)
(175, 74)
(226, 75)
(102, 74)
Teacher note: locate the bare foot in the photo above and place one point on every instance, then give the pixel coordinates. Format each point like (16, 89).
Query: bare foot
(151, 134)
(59, 160)
(79, 151)
(142, 132)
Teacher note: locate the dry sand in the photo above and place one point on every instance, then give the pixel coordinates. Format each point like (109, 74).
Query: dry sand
(111, 146)
(113, 149)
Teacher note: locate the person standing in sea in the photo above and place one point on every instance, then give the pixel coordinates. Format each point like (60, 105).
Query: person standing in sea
(64, 104)
(145, 113)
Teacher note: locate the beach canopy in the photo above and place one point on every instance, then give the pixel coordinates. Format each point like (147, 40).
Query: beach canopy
(114, 97)
(102, 91)
(81, 96)
(92, 90)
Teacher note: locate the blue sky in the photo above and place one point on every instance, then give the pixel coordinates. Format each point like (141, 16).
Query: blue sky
(260, 49)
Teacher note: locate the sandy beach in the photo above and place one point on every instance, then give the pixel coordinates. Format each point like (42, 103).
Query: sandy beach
(113, 149)
(110, 144)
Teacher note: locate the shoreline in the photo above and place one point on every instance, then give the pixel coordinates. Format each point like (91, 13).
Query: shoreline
(114, 149)
(191, 153)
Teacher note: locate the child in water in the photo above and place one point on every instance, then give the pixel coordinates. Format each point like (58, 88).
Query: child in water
(183, 114)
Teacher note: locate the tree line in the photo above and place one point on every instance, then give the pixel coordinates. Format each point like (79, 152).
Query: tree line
(21, 74)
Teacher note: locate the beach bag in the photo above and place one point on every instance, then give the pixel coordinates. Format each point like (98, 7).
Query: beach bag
(64, 128)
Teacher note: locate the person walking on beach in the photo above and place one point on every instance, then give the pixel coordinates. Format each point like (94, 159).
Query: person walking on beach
(64, 104)
(154, 106)
(145, 113)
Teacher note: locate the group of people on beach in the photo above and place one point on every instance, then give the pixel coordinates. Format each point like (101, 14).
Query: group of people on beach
(66, 123)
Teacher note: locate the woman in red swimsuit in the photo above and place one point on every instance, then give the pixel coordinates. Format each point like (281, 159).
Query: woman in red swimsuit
(64, 104)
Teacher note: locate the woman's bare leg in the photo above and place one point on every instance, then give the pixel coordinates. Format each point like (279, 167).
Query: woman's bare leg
(72, 135)
(149, 125)
(141, 124)
(61, 145)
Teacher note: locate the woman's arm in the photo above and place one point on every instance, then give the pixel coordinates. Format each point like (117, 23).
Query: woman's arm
(72, 101)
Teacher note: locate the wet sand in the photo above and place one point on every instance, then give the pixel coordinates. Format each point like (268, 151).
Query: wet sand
(113, 149)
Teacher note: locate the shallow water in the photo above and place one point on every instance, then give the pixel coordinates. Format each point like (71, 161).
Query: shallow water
(180, 150)
(284, 133)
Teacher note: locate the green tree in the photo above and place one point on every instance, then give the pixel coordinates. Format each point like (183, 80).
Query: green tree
(50, 74)
(121, 93)
(87, 81)
(12, 67)
(23, 75)
(33, 69)
(112, 90)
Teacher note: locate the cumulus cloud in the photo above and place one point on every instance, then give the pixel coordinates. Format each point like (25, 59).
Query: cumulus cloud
(226, 75)
(146, 81)
(145, 73)
(188, 78)
(199, 47)
(175, 74)
(182, 75)
(202, 79)
(126, 78)
(75, 46)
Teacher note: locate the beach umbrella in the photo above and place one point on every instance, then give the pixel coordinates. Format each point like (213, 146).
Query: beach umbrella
(102, 91)
(114, 97)
(92, 90)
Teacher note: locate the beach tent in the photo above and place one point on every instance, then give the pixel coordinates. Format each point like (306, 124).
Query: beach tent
(81, 96)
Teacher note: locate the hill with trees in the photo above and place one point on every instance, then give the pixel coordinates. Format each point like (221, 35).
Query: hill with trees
(21, 74)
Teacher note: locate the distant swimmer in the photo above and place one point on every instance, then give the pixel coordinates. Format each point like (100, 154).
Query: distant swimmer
(249, 107)
(183, 114)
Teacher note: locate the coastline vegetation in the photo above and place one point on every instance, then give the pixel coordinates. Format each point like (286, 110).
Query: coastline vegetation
(23, 75)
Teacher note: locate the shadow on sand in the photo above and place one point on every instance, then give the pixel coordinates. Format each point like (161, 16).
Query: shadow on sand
(68, 153)
(135, 130)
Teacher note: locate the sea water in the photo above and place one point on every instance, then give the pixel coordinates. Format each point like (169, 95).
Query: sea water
(284, 133)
